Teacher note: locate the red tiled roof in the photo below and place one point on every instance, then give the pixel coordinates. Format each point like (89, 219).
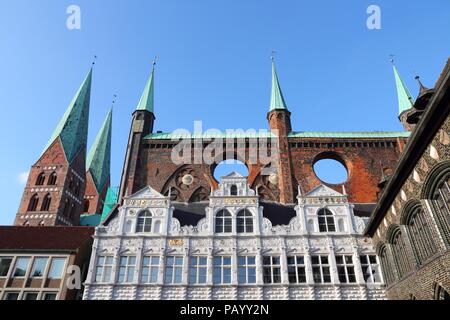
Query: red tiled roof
(43, 238)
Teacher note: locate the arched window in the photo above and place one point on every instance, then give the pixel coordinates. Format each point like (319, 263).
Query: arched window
(326, 221)
(46, 202)
(77, 188)
(399, 252)
(244, 221)
(87, 203)
(419, 233)
(442, 205)
(436, 188)
(32, 206)
(72, 211)
(386, 265)
(223, 222)
(144, 221)
(52, 179)
(66, 208)
(40, 179)
(440, 293)
(233, 190)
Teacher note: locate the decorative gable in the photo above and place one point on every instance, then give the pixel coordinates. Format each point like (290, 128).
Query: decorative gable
(146, 193)
(323, 191)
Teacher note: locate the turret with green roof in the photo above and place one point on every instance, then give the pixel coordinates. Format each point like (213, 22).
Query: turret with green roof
(72, 129)
(99, 157)
(276, 99)
(405, 100)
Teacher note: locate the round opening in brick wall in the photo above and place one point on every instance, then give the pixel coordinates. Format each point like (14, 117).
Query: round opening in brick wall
(330, 171)
(228, 166)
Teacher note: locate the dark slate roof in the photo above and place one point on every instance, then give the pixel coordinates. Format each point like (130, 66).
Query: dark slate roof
(364, 209)
(277, 213)
(189, 214)
(44, 238)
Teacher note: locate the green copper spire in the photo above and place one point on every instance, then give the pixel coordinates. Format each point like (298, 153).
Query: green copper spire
(276, 99)
(147, 98)
(99, 158)
(73, 126)
(110, 201)
(405, 101)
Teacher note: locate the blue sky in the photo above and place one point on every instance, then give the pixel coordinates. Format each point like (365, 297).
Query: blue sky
(213, 65)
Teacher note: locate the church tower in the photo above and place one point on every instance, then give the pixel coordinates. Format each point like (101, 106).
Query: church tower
(141, 125)
(98, 169)
(279, 119)
(55, 188)
(405, 100)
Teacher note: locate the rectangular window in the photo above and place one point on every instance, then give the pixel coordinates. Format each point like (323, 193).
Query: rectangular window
(197, 270)
(38, 269)
(246, 270)
(11, 296)
(222, 270)
(103, 269)
(150, 269)
(272, 269)
(5, 264)
(30, 296)
(321, 269)
(21, 267)
(174, 270)
(370, 268)
(296, 269)
(56, 268)
(346, 269)
(127, 265)
(49, 296)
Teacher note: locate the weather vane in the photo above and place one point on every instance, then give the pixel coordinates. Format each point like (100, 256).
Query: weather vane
(272, 57)
(391, 56)
(114, 99)
(93, 60)
(154, 61)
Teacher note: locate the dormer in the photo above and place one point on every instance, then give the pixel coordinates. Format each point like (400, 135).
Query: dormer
(233, 185)
(325, 210)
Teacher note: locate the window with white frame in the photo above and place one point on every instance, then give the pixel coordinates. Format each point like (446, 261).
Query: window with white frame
(296, 269)
(197, 270)
(49, 296)
(127, 265)
(56, 268)
(144, 221)
(21, 267)
(370, 268)
(30, 296)
(246, 269)
(5, 265)
(272, 269)
(174, 270)
(12, 295)
(244, 221)
(222, 270)
(103, 269)
(346, 269)
(150, 269)
(326, 220)
(224, 222)
(321, 269)
(38, 269)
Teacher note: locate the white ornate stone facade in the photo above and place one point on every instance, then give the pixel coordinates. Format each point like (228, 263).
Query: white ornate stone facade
(251, 260)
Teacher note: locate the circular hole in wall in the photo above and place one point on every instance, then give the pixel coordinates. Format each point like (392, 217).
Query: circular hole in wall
(228, 166)
(330, 171)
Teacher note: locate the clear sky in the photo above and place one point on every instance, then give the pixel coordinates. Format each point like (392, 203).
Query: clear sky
(213, 65)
